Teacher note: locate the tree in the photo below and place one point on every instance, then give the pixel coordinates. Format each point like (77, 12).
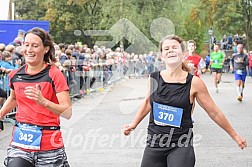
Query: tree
(246, 9)
(29, 9)
(67, 16)
(229, 16)
(194, 29)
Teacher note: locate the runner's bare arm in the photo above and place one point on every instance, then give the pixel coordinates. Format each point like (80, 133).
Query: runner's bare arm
(64, 108)
(204, 99)
(143, 110)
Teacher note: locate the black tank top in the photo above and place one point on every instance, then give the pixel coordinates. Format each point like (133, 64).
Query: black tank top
(169, 95)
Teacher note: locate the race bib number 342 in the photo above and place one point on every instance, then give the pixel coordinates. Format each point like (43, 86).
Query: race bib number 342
(165, 115)
(27, 137)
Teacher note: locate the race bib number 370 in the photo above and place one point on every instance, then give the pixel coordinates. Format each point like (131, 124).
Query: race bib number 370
(165, 115)
(27, 137)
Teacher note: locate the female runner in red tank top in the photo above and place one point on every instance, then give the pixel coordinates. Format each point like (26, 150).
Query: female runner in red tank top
(40, 92)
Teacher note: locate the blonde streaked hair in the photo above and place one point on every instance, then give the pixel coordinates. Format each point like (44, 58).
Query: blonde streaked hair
(191, 41)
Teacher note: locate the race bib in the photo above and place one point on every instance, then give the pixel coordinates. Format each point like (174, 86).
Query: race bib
(27, 137)
(216, 61)
(165, 115)
(239, 72)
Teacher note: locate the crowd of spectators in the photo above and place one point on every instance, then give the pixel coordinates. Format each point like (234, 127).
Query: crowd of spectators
(230, 42)
(84, 66)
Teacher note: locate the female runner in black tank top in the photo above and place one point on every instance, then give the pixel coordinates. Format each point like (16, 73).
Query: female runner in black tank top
(171, 95)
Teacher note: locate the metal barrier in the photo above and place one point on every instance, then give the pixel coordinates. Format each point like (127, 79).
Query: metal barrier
(4, 84)
(92, 78)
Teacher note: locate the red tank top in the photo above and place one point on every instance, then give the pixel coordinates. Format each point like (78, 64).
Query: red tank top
(51, 81)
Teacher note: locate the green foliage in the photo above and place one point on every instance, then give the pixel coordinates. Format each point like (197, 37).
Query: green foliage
(228, 16)
(29, 9)
(191, 18)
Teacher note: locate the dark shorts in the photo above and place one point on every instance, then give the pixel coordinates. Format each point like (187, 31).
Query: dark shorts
(217, 70)
(51, 158)
(169, 157)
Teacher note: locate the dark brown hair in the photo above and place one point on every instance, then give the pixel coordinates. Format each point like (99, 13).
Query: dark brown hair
(46, 40)
(182, 44)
